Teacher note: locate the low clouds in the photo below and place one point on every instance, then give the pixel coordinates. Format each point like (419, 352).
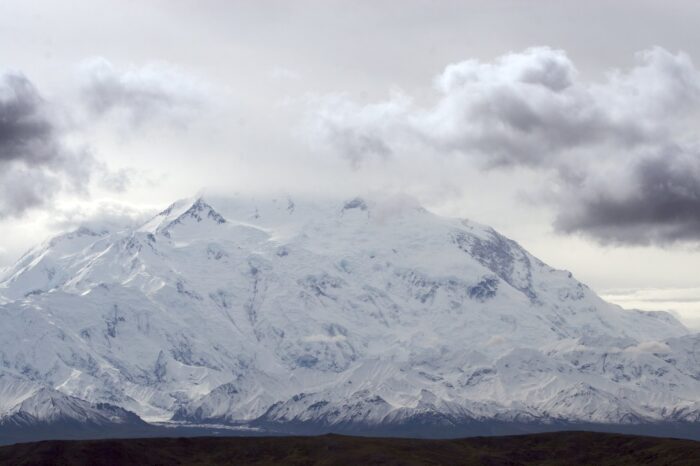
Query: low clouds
(140, 94)
(620, 155)
(35, 164)
(684, 303)
(101, 216)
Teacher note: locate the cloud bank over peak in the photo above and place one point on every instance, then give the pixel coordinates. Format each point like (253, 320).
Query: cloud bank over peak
(620, 153)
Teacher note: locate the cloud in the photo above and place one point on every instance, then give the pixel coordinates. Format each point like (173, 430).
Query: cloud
(683, 303)
(117, 180)
(356, 131)
(104, 215)
(41, 156)
(35, 164)
(649, 347)
(655, 200)
(155, 91)
(619, 155)
(25, 131)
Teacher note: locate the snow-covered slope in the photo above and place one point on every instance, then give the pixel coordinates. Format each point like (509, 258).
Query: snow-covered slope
(353, 313)
(48, 406)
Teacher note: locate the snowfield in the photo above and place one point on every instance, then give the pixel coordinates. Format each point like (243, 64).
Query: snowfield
(228, 311)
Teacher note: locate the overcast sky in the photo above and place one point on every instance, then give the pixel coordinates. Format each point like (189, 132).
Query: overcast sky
(570, 126)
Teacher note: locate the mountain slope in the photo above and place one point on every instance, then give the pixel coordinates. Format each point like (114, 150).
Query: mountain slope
(356, 313)
(48, 413)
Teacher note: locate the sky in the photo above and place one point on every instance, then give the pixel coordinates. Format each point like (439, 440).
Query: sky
(568, 126)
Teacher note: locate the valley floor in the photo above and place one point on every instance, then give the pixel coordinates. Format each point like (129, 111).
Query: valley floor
(560, 448)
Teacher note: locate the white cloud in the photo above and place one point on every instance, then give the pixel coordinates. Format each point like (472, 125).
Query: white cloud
(155, 91)
(649, 347)
(100, 215)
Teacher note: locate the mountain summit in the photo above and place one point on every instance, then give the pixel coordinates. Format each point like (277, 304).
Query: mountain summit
(343, 316)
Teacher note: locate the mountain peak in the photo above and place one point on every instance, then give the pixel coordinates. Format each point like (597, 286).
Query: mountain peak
(200, 210)
(184, 212)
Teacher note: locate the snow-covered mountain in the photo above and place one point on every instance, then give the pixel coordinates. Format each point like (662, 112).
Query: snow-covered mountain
(48, 406)
(32, 412)
(354, 314)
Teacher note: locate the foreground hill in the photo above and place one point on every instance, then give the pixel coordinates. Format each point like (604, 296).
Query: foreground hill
(562, 448)
(369, 317)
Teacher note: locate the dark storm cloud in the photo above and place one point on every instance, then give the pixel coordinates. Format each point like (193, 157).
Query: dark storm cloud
(531, 109)
(153, 91)
(659, 204)
(25, 131)
(35, 165)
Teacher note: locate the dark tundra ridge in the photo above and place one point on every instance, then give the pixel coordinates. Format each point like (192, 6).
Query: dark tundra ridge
(559, 448)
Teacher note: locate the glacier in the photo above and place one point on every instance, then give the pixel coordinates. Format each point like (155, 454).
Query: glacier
(345, 316)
